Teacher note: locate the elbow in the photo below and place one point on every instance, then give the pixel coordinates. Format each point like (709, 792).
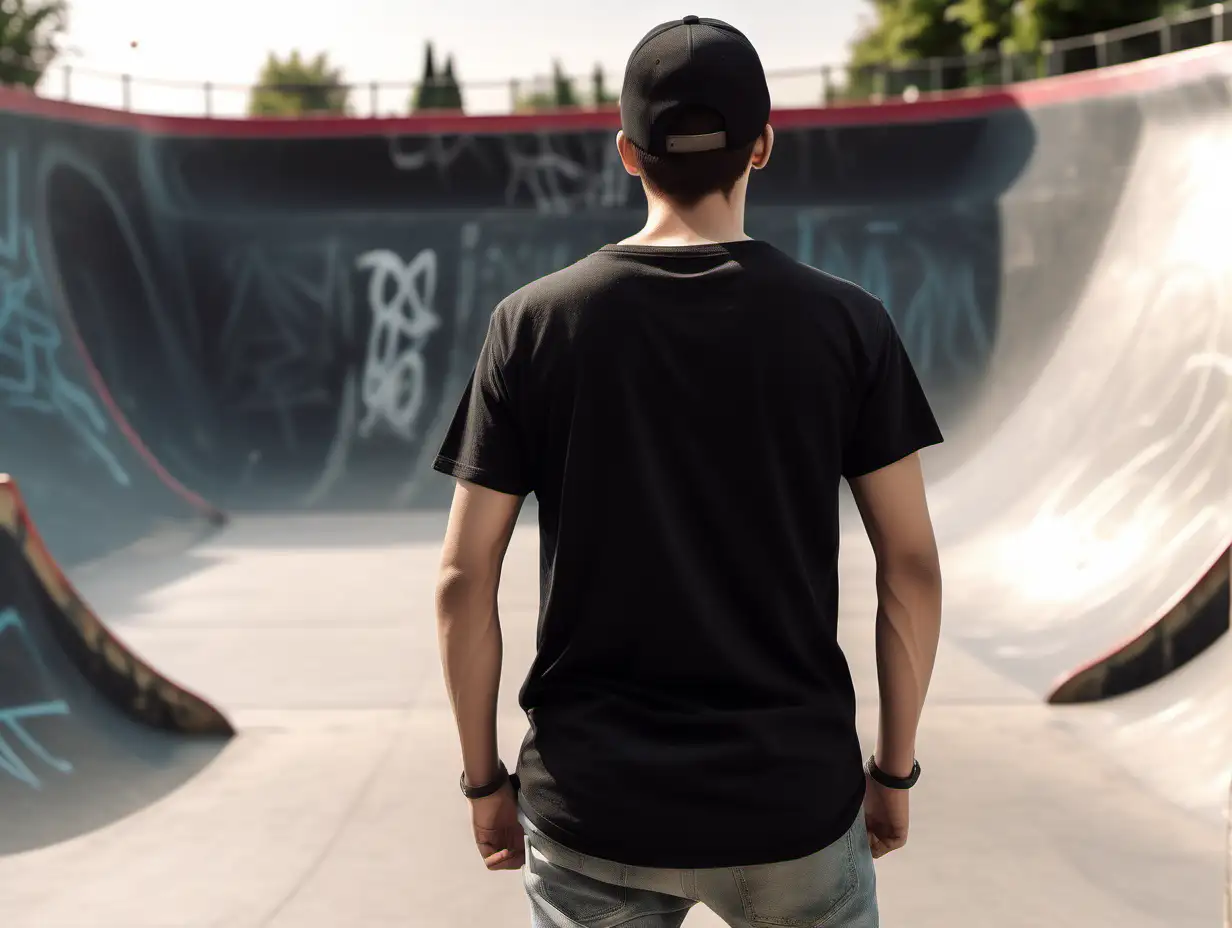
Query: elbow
(459, 590)
(919, 567)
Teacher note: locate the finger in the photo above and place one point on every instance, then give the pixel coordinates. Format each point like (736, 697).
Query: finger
(506, 860)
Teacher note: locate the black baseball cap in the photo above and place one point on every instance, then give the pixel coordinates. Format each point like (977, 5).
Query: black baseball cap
(694, 62)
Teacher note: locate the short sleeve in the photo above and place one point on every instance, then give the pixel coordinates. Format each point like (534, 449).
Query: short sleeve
(894, 418)
(484, 444)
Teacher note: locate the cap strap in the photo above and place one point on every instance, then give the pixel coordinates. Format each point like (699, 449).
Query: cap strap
(683, 144)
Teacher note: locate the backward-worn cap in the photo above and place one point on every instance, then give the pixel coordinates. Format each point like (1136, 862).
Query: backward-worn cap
(694, 62)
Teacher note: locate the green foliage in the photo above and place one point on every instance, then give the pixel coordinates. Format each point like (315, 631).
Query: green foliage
(296, 86)
(1063, 19)
(563, 91)
(599, 95)
(560, 91)
(905, 32)
(908, 30)
(451, 92)
(436, 91)
(28, 34)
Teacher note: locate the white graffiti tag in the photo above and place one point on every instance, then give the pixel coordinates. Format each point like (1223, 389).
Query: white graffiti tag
(393, 381)
(13, 719)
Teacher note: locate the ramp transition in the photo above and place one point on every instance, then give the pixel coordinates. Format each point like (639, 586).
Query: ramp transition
(88, 732)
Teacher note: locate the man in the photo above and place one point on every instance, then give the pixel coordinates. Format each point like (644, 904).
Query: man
(683, 405)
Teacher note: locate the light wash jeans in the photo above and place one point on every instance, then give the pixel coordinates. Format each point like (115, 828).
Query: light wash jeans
(833, 888)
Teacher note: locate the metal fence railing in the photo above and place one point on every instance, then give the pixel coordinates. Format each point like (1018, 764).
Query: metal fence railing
(825, 85)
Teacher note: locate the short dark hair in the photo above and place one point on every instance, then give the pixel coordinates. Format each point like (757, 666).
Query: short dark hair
(686, 179)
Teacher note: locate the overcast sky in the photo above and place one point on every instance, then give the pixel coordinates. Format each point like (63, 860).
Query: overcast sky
(226, 41)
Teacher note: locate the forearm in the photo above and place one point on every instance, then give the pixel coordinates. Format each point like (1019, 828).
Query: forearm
(908, 630)
(468, 629)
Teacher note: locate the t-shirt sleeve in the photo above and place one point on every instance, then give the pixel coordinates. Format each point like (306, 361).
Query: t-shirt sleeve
(894, 418)
(485, 443)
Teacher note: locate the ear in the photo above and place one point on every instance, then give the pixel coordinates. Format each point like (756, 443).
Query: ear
(628, 157)
(763, 147)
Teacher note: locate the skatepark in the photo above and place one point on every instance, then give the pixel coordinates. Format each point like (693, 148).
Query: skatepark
(228, 351)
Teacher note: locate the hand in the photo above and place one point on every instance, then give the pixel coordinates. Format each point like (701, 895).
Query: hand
(886, 813)
(498, 833)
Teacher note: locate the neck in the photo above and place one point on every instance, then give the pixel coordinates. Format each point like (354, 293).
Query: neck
(714, 219)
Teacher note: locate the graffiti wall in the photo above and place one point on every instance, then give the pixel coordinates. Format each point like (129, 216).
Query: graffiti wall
(289, 322)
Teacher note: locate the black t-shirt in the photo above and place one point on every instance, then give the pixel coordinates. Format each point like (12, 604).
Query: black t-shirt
(683, 416)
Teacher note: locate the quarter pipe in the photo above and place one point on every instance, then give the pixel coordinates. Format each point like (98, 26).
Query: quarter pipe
(88, 731)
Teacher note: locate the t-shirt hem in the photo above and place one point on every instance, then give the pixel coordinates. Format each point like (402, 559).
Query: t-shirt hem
(644, 854)
(477, 475)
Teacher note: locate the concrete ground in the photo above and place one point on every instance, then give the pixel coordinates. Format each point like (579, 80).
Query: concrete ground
(337, 805)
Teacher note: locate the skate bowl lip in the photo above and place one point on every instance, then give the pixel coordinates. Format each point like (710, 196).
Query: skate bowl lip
(191, 713)
(1111, 81)
(1209, 578)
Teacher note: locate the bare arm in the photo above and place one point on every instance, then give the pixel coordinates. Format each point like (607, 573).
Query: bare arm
(894, 508)
(468, 625)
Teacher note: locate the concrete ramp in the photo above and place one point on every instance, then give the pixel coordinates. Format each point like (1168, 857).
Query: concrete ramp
(89, 733)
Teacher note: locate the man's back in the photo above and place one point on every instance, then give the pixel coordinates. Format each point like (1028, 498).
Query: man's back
(684, 416)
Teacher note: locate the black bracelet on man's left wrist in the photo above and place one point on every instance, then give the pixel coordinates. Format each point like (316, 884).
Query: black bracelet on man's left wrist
(487, 789)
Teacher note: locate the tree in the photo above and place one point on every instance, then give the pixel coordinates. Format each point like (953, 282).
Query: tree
(426, 93)
(451, 90)
(28, 34)
(906, 31)
(436, 91)
(562, 87)
(562, 93)
(598, 88)
(1063, 19)
(295, 86)
(902, 32)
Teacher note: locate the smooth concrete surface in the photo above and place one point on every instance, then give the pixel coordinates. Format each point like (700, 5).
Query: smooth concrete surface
(338, 804)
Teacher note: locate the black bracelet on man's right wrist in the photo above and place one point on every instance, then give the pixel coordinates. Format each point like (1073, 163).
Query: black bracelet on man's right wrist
(880, 776)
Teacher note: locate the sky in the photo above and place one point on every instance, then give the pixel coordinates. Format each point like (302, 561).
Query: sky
(492, 41)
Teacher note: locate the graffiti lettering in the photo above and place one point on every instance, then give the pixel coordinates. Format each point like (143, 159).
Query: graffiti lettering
(933, 292)
(13, 719)
(402, 321)
(30, 340)
(280, 338)
(558, 182)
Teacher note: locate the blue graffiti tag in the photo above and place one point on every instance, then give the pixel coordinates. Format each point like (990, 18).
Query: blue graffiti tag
(30, 340)
(13, 719)
(926, 280)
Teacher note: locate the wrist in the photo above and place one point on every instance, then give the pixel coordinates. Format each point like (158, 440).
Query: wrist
(897, 764)
(485, 788)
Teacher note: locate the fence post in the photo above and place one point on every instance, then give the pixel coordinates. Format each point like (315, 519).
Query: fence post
(1217, 23)
(374, 102)
(1007, 64)
(1047, 48)
(934, 74)
(827, 85)
(68, 82)
(126, 83)
(1165, 35)
(513, 95)
(209, 98)
(1101, 50)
